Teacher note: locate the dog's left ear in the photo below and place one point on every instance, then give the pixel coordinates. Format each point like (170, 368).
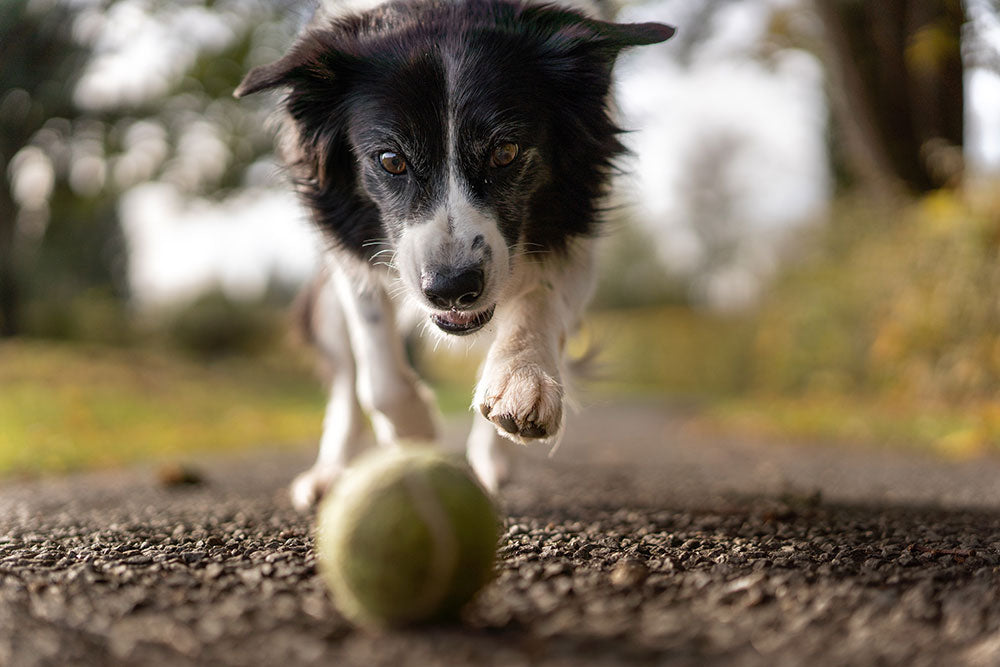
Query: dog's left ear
(617, 36)
(574, 34)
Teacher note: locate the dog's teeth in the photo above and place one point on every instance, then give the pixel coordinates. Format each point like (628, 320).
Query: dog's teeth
(462, 322)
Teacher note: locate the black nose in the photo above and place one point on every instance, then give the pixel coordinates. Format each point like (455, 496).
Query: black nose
(453, 288)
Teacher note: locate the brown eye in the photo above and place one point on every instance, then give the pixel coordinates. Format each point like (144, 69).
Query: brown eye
(394, 163)
(503, 154)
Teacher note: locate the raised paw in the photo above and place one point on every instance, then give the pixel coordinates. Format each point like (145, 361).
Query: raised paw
(310, 487)
(523, 402)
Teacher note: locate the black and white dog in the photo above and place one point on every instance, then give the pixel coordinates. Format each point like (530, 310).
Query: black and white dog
(455, 153)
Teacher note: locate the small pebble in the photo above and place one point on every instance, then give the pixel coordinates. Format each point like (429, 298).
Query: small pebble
(170, 475)
(628, 573)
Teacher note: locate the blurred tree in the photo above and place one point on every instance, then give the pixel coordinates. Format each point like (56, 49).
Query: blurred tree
(86, 113)
(897, 89)
(40, 61)
(980, 47)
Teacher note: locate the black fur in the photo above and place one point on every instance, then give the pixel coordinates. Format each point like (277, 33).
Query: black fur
(389, 80)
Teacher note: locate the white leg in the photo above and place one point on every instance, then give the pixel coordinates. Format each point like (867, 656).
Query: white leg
(485, 454)
(343, 420)
(388, 389)
(340, 442)
(520, 390)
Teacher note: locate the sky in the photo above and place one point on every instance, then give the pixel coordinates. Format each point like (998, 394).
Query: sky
(764, 125)
(983, 94)
(179, 246)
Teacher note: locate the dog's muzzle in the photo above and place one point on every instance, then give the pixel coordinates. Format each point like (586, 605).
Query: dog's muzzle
(462, 323)
(455, 293)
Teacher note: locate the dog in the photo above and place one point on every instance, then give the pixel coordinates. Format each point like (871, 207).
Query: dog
(455, 155)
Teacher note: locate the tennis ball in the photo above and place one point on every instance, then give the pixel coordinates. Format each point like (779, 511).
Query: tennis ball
(408, 535)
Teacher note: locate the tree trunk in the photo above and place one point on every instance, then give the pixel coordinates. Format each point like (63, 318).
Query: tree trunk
(9, 289)
(897, 88)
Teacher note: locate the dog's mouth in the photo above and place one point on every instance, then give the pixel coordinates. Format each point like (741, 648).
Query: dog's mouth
(462, 323)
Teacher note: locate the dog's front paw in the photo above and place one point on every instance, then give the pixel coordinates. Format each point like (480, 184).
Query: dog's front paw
(310, 487)
(523, 401)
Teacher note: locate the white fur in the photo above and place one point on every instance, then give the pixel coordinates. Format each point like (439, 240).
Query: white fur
(523, 371)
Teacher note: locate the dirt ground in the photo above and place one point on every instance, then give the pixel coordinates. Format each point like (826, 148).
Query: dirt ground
(642, 541)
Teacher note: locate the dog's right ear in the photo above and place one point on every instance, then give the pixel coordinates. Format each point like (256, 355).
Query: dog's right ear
(280, 73)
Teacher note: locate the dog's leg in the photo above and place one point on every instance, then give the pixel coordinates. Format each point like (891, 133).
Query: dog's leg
(343, 421)
(354, 328)
(520, 390)
(484, 451)
(397, 403)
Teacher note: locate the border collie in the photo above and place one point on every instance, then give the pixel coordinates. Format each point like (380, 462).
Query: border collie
(455, 154)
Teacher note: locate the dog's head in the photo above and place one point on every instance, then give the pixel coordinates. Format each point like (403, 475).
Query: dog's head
(453, 139)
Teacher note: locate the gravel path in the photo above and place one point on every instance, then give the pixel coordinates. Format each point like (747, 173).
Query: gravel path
(642, 541)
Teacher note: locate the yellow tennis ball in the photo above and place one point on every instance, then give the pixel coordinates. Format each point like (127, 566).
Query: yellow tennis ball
(408, 535)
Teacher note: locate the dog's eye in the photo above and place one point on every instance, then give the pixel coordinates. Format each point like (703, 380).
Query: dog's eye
(394, 163)
(503, 154)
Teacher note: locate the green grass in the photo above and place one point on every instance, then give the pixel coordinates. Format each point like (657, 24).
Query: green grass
(666, 350)
(65, 407)
(957, 432)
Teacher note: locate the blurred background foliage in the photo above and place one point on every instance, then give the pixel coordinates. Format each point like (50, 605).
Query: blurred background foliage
(873, 318)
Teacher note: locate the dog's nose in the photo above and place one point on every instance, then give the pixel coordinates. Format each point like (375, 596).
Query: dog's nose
(453, 288)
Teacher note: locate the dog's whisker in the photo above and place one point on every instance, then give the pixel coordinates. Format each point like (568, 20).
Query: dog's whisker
(397, 290)
(426, 330)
